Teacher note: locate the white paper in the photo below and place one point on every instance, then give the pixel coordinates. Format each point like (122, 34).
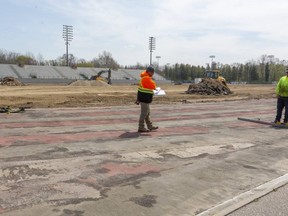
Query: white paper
(159, 92)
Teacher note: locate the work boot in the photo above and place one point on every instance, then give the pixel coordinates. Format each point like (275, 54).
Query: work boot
(277, 122)
(143, 130)
(153, 128)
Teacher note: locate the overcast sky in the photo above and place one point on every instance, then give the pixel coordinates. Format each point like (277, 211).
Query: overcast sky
(186, 31)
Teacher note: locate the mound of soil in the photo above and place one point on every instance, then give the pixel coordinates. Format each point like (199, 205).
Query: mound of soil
(89, 83)
(11, 81)
(209, 86)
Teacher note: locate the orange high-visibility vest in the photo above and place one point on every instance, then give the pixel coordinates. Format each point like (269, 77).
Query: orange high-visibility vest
(146, 84)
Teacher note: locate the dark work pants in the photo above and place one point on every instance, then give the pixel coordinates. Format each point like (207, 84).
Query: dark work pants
(281, 104)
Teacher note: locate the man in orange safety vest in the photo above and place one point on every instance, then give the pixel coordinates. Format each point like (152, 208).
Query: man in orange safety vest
(145, 97)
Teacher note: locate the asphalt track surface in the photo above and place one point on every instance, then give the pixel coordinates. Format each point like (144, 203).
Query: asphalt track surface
(92, 161)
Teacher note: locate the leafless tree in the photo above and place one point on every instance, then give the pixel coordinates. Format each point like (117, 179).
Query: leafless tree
(105, 60)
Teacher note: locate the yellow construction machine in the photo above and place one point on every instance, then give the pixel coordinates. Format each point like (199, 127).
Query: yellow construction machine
(99, 77)
(215, 74)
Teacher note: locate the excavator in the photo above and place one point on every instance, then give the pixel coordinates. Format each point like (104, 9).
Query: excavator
(99, 77)
(215, 74)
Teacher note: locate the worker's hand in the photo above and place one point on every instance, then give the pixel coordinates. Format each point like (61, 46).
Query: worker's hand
(137, 102)
(157, 89)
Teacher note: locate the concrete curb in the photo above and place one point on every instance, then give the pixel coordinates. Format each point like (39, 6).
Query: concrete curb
(245, 198)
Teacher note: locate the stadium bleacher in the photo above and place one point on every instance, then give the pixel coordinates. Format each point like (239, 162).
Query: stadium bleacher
(6, 70)
(47, 73)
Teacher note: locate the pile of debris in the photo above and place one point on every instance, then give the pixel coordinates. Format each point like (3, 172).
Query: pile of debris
(209, 86)
(11, 81)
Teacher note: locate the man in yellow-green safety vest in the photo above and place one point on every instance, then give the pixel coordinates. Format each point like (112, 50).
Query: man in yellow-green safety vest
(282, 99)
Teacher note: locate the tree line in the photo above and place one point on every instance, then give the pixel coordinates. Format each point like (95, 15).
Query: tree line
(266, 69)
(104, 60)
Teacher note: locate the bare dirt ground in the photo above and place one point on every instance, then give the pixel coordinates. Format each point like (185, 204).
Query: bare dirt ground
(44, 96)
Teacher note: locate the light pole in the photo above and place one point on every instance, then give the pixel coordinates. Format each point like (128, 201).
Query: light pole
(212, 57)
(68, 36)
(152, 41)
(270, 57)
(158, 57)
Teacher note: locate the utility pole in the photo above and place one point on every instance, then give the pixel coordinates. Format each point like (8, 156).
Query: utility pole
(152, 41)
(68, 36)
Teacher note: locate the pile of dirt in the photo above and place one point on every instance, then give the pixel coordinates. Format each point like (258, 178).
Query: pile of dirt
(11, 81)
(89, 83)
(209, 86)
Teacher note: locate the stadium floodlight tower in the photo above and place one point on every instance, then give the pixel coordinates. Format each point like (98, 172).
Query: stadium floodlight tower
(158, 57)
(68, 36)
(212, 57)
(271, 75)
(152, 41)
